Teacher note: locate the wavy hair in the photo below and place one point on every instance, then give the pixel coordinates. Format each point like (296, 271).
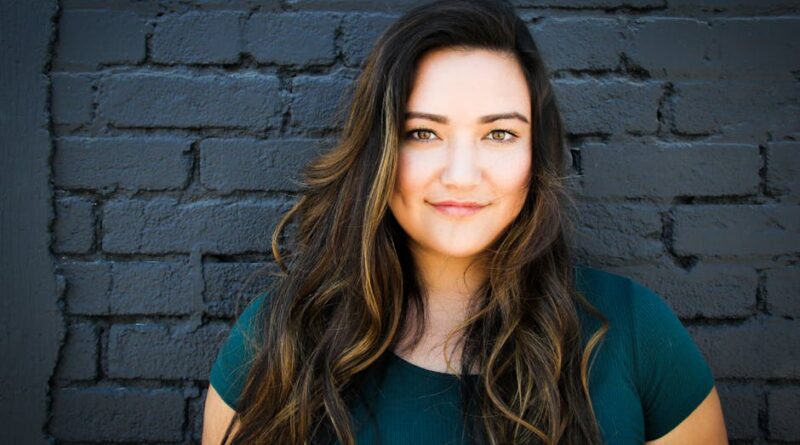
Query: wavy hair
(348, 284)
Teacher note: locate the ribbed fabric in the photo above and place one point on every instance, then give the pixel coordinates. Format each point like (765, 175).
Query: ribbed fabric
(646, 377)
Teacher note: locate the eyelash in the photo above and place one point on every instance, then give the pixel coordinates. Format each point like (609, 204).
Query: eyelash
(511, 139)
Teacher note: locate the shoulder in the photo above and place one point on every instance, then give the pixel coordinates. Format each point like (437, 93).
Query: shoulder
(669, 372)
(251, 314)
(642, 327)
(636, 313)
(617, 297)
(235, 357)
(614, 295)
(598, 284)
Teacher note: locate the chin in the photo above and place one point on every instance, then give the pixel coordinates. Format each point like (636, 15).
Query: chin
(461, 251)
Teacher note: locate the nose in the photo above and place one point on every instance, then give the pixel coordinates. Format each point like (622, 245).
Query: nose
(461, 167)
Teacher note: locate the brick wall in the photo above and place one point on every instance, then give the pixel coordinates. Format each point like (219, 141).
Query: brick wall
(179, 125)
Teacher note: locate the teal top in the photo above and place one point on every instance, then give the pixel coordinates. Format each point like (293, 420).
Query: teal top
(647, 376)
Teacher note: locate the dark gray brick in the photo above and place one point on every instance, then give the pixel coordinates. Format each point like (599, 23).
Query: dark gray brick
(608, 106)
(74, 227)
(707, 290)
(730, 7)
(784, 404)
(87, 39)
(783, 291)
(672, 47)
(134, 292)
(88, 287)
(243, 5)
(740, 405)
(72, 98)
(758, 47)
(292, 38)
(359, 34)
(619, 232)
(227, 165)
(320, 101)
(592, 4)
(737, 230)
(738, 108)
(230, 286)
(783, 169)
(152, 350)
(663, 170)
(197, 37)
(79, 353)
(579, 43)
(761, 348)
(117, 415)
(127, 288)
(195, 420)
(359, 5)
(190, 100)
(122, 162)
(162, 225)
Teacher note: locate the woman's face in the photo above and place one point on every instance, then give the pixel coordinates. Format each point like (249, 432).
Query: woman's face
(465, 151)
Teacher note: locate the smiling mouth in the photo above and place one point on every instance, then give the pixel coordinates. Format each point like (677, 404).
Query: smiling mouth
(453, 208)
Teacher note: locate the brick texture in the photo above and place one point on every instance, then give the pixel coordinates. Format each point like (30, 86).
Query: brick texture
(72, 98)
(74, 227)
(783, 402)
(618, 231)
(151, 350)
(305, 38)
(772, 341)
(580, 44)
(122, 162)
(737, 230)
(163, 225)
(609, 106)
(80, 354)
(183, 100)
(665, 170)
(741, 407)
(118, 414)
(198, 38)
(89, 38)
(707, 291)
(783, 170)
(260, 165)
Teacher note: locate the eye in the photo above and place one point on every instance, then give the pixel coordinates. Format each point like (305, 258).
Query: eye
(422, 134)
(499, 135)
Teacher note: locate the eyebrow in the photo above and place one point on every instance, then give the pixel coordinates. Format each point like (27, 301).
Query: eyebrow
(483, 119)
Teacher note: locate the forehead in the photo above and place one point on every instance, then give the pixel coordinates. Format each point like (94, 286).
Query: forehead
(467, 82)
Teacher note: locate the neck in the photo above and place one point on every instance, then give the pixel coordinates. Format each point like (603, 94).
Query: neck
(449, 285)
(447, 281)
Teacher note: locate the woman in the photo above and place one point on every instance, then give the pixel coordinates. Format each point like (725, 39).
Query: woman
(431, 297)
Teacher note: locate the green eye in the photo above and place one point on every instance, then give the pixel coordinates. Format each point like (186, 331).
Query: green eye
(502, 138)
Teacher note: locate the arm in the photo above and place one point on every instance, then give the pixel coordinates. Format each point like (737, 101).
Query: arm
(216, 418)
(705, 425)
(679, 399)
(228, 374)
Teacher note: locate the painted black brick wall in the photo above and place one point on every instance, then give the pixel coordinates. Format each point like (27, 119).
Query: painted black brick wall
(177, 126)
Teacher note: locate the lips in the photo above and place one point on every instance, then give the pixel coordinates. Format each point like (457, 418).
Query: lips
(458, 208)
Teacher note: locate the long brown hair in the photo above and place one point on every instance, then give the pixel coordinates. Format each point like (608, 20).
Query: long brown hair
(348, 283)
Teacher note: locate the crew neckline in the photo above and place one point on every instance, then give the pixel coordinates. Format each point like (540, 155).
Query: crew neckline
(424, 371)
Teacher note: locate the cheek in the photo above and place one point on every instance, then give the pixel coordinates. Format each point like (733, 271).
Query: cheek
(414, 172)
(510, 175)
(404, 190)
